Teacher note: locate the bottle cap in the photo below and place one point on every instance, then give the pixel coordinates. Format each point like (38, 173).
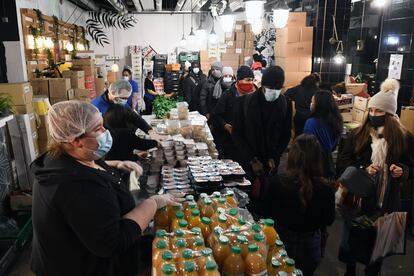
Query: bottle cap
(179, 215)
(256, 228)
(192, 205)
(161, 244)
(167, 255)
(161, 233)
(198, 241)
(196, 231)
(223, 240)
(230, 193)
(233, 212)
(208, 201)
(234, 229)
(180, 243)
(269, 222)
(218, 230)
(195, 212)
(189, 266)
(241, 221)
(275, 263)
(189, 198)
(258, 237)
(168, 269)
(236, 249)
(211, 265)
(179, 232)
(242, 239)
(207, 252)
(279, 243)
(187, 254)
(205, 220)
(253, 248)
(290, 262)
(282, 273)
(222, 218)
(216, 194)
(221, 200)
(182, 223)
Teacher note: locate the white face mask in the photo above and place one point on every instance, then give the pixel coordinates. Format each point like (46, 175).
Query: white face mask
(121, 101)
(196, 70)
(126, 78)
(271, 95)
(227, 79)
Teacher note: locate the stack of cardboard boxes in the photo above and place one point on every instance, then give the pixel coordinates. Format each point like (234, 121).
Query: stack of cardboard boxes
(293, 48)
(206, 61)
(88, 66)
(407, 117)
(239, 46)
(360, 109)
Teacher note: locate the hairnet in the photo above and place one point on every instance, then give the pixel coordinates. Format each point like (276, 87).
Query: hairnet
(118, 86)
(70, 119)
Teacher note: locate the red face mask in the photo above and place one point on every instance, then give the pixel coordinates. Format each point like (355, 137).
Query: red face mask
(245, 88)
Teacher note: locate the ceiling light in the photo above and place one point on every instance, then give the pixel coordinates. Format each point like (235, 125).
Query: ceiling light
(393, 40)
(379, 3)
(191, 36)
(227, 19)
(280, 14)
(257, 26)
(115, 68)
(212, 38)
(339, 58)
(254, 10)
(48, 43)
(200, 32)
(69, 47)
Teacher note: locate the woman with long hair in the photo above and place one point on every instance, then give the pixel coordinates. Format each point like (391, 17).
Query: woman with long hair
(302, 202)
(326, 124)
(385, 149)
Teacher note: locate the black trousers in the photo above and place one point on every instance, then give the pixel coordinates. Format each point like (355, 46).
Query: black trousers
(148, 107)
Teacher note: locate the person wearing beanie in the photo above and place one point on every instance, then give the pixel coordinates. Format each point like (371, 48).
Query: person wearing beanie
(267, 125)
(385, 150)
(207, 101)
(302, 95)
(228, 109)
(191, 86)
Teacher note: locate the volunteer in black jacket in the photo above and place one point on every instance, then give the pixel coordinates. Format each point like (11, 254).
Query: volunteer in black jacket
(207, 101)
(84, 221)
(263, 132)
(194, 78)
(302, 96)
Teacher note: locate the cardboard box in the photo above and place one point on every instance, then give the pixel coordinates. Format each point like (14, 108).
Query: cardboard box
(77, 78)
(306, 34)
(23, 109)
(288, 35)
(239, 26)
(296, 19)
(357, 89)
(100, 86)
(294, 78)
(346, 117)
(230, 57)
(88, 62)
(240, 36)
(285, 49)
(20, 202)
(81, 95)
(40, 86)
(359, 115)
(59, 87)
(250, 36)
(239, 44)
(20, 93)
(248, 28)
(305, 64)
(407, 118)
(229, 36)
(304, 49)
(361, 103)
(248, 52)
(230, 51)
(239, 51)
(248, 44)
(289, 64)
(230, 44)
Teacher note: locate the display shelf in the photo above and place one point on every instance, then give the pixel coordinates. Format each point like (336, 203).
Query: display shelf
(4, 120)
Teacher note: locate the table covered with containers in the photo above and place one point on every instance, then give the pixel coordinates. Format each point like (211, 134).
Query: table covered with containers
(211, 233)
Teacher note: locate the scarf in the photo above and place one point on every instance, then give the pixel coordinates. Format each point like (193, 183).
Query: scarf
(379, 148)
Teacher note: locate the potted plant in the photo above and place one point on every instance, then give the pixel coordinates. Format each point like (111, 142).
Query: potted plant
(5, 105)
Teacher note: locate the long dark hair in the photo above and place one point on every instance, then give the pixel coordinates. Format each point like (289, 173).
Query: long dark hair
(311, 81)
(327, 109)
(394, 133)
(305, 165)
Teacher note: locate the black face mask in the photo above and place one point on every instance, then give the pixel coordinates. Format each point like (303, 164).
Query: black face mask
(377, 121)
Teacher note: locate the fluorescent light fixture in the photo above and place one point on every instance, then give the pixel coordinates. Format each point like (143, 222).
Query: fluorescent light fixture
(392, 40)
(280, 14)
(254, 10)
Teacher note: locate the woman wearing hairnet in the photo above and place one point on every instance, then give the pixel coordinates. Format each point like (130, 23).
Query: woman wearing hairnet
(84, 221)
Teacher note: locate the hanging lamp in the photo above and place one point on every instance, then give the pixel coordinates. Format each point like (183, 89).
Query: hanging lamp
(254, 10)
(280, 14)
(227, 19)
(114, 67)
(191, 35)
(200, 32)
(183, 41)
(212, 38)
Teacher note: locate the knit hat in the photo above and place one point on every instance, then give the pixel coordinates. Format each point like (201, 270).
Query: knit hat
(244, 72)
(273, 77)
(195, 64)
(228, 71)
(386, 99)
(217, 66)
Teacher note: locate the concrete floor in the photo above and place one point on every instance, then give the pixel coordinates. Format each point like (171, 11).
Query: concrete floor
(330, 266)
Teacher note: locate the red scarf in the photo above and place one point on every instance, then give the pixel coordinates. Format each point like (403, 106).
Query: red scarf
(245, 88)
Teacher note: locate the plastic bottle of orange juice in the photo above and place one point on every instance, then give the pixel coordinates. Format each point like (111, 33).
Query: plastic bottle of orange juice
(221, 250)
(167, 258)
(157, 253)
(171, 210)
(178, 247)
(161, 234)
(214, 222)
(186, 255)
(289, 265)
(259, 240)
(211, 269)
(270, 232)
(205, 227)
(198, 244)
(276, 248)
(190, 269)
(222, 221)
(191, 206)
(255, 229)
(194, 220)
(161, 220)
(192, 234)
(274, 267)
(221, 202)
(230, 199)
(200, 201)
(233, 217)
(241, 222)
(208, 209)
(206, 255)
(234, 263)
(232, 234)
(174, 223)
(243, 243)
(168, 270)
(214, 236)
(255, 263)
(178, 234)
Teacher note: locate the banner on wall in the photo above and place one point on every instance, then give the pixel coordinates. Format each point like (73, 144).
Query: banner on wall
(395, 67)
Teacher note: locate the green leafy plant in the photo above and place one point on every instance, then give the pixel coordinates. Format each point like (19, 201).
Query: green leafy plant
(41, 21)
(5, 105)
(56, 29)
(50, 59)
(162, 105)
(36, 34)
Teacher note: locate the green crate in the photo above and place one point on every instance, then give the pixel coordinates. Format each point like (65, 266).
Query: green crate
(24, 222)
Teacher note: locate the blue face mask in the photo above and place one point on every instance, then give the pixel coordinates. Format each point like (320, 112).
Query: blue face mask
(104, 144)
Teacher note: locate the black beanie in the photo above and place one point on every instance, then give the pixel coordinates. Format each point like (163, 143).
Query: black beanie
(273, 77)
(244, 72)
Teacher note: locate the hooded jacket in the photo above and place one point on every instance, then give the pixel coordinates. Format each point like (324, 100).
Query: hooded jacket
(189, 89)
(207, 102)
(78, 227)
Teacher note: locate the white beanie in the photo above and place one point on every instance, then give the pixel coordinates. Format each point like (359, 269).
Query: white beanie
(386, 99)
(228, 71)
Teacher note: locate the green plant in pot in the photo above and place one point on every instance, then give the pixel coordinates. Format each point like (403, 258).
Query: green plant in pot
(5, 105)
